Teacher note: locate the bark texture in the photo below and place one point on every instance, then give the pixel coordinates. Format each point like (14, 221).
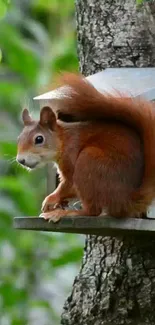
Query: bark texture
(116, 283)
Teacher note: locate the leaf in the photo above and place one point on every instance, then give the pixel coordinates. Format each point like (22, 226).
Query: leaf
(69, 256)
(38, 31)
(67, 60)
(3, 9)
(21, 58)
(56, 7)
(0, 55)
(8, 206)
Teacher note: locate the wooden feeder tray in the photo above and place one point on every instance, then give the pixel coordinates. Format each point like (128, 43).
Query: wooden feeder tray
(100, 226)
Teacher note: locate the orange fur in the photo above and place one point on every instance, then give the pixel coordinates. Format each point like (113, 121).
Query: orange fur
(85, 103)
(106, 158)
(105, 163)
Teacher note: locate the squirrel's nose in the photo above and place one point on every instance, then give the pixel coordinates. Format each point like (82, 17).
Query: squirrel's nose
(21, 161)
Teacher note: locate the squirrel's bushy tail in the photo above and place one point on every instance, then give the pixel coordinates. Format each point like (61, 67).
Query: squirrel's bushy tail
(83, 102)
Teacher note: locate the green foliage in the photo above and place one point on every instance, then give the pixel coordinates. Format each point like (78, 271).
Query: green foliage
(3, 8)
(37, 41)
(140, 2)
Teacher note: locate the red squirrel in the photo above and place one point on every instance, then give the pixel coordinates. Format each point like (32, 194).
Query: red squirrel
(104, 150)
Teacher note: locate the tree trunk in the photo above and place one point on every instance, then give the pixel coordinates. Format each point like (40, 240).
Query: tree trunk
(116, 283)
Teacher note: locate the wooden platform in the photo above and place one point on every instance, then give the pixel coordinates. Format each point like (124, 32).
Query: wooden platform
(101, 226)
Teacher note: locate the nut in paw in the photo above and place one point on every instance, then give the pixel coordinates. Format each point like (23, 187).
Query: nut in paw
(61, 205)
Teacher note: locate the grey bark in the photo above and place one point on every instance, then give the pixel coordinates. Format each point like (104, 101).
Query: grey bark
(116, 282)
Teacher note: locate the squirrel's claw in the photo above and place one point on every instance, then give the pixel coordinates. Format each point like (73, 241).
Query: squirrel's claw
(54, 215)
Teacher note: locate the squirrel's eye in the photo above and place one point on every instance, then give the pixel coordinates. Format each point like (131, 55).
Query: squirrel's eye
(39, 139)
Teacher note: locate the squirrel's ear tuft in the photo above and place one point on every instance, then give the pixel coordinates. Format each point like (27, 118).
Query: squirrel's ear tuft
(26, 117)
(47, 118)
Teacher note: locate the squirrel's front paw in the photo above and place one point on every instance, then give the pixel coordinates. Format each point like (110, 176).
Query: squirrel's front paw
(51, 203)
(48, 203)
(54, 215)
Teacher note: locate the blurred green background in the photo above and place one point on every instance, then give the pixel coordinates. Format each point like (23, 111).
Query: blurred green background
(37, 40)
